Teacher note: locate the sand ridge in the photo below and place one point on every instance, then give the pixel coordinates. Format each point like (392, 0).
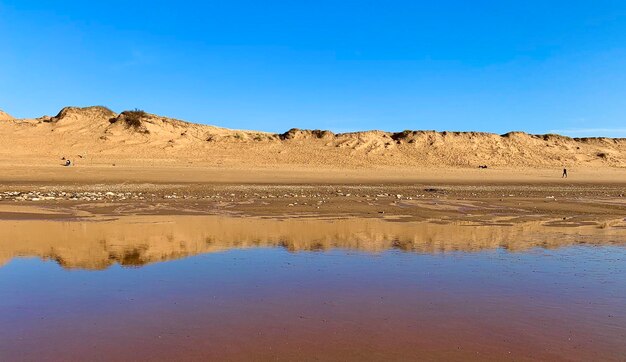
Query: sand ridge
(99, 136)
(5, 116)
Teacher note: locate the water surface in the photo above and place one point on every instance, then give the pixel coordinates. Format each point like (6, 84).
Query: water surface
(197, 288)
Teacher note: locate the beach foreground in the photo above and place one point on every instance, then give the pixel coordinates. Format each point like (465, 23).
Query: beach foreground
(504, 196)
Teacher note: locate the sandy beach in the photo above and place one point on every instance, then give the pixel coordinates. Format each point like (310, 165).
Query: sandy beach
(167, 165)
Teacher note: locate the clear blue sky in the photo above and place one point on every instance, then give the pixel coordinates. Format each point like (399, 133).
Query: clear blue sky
(496, 66)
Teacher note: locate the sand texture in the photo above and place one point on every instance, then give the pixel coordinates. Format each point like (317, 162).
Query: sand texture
(5, 116)
(97, 136)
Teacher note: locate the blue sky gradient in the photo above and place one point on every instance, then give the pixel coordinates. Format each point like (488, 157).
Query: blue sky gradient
(495, 66)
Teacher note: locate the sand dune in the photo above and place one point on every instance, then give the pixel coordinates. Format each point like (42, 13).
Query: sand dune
(5, 116)
(96, 135)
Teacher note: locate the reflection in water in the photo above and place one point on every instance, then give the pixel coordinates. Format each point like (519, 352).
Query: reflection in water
(139, 240)
(520, 292)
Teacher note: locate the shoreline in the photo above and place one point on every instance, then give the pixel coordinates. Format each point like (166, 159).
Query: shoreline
(13, 174)
(486, 204)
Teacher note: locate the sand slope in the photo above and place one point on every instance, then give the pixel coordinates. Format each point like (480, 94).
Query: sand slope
(5, 116)
(96, 135)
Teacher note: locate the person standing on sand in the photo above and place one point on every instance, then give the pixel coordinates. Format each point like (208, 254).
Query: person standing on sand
(564, 173)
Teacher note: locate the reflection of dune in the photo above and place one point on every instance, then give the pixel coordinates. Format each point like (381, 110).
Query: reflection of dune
(138, 240)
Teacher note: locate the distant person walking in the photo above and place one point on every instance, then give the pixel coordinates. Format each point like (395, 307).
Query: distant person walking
(564, 173)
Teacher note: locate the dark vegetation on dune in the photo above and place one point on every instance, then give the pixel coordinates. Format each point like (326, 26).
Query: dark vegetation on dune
(132, 119)
(295, 132)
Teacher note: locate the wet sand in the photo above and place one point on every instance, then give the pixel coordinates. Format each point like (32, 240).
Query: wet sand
(510, 204)
(588, 196)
